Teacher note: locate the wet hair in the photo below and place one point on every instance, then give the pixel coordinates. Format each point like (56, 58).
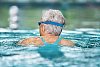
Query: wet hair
(55, 16)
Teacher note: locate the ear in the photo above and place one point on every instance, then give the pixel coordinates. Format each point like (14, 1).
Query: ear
(42, 28)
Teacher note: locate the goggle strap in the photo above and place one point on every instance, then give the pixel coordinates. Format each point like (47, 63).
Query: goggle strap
(52, 23)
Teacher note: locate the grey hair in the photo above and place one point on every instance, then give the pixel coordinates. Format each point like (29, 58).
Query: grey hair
(55, 16)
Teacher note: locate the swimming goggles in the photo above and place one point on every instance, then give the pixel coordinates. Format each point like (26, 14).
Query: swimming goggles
(52, 23)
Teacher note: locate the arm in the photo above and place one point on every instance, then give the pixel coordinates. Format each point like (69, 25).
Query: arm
(67, 42)
(31, 41)
(26, 41)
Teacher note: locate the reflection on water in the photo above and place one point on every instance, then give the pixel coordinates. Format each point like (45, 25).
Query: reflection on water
(86, 52)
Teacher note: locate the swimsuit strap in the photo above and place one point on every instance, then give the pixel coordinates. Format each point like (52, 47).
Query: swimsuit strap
(43, 40)
(58, 40)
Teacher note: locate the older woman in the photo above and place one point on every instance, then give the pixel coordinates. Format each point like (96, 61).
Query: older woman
(50, 27)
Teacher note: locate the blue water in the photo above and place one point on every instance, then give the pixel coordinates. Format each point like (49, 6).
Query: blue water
(85, 53)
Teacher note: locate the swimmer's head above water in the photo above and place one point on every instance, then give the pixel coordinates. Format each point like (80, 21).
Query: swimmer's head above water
(50, 28)
(52, 22)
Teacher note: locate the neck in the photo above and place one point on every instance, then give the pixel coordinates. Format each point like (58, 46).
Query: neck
(50, 37)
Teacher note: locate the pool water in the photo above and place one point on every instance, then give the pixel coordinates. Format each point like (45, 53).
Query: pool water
(85, 53)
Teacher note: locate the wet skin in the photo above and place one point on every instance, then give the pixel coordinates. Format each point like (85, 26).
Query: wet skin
(50, 38)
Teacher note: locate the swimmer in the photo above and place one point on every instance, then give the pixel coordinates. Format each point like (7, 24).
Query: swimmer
(50, 28)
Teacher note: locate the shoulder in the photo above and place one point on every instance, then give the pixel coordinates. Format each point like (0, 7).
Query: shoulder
(31, 40)
(66, 42)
